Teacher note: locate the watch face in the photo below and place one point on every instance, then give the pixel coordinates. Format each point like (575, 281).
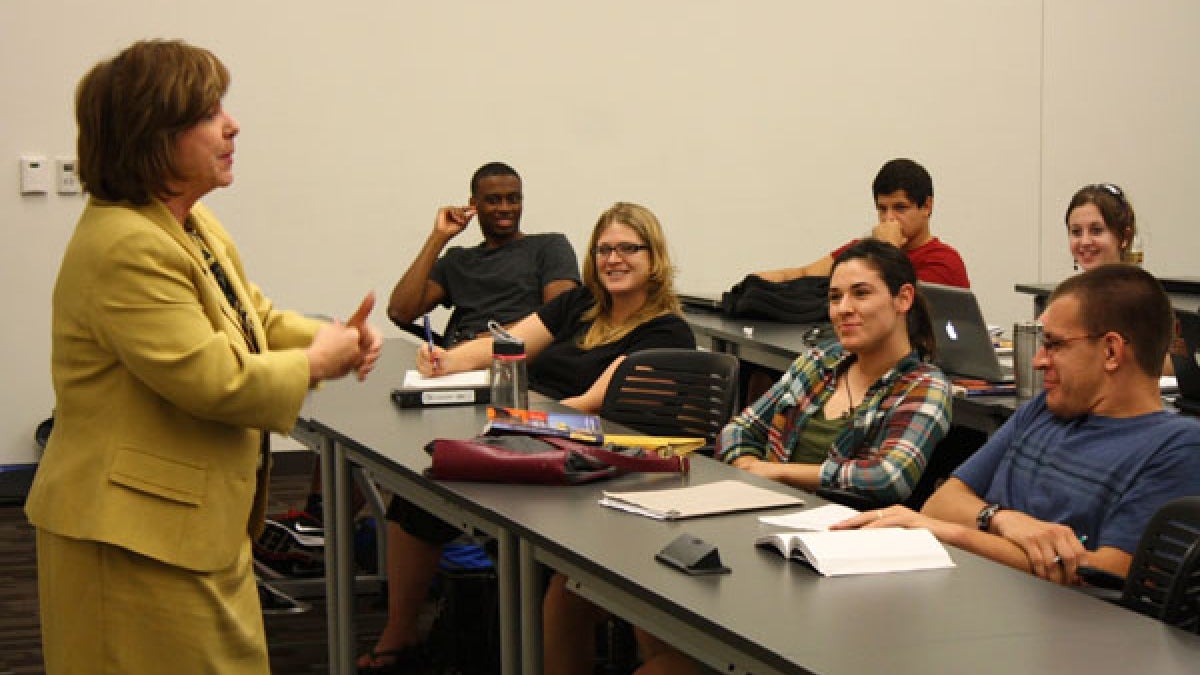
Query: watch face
(984, 519)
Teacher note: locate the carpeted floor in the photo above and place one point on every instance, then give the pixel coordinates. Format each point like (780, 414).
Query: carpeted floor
(297, 641)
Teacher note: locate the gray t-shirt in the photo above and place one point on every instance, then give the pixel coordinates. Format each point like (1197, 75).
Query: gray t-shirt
(503, 283)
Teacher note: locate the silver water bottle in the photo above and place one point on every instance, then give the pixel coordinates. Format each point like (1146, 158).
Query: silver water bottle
(1027, 340)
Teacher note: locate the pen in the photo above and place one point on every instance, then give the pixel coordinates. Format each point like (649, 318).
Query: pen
(429, 340)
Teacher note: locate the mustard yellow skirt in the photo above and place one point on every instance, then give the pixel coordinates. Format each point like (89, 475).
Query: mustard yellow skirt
(106, 610)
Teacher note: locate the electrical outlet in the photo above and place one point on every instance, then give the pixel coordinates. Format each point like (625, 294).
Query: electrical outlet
(68, 175)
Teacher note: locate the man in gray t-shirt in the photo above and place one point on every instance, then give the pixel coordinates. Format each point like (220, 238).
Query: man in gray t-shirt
(505, 277)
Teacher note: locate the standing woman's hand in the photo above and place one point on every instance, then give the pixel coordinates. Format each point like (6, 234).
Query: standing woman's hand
(333, 353)
(370, 340)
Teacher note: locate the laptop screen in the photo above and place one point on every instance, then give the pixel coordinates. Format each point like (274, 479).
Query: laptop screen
(1187, 362)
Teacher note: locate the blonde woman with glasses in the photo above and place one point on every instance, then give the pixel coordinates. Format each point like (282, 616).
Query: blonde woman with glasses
(574, 343)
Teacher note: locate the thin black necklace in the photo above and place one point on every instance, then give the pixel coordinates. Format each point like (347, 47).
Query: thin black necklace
(849, 396)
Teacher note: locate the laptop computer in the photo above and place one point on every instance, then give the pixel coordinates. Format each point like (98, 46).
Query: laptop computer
(1187, 364)
(964, 345)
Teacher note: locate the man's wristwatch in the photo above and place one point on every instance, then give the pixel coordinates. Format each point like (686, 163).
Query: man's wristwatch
(984, 519)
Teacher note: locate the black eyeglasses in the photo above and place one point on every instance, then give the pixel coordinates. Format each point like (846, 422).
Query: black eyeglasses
(624, 249)
(1055, 344)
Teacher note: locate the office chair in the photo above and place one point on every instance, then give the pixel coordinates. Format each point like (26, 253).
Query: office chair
(417, 329)
(959, 444)
(1164, 577)
(673, 392)
(665, 392)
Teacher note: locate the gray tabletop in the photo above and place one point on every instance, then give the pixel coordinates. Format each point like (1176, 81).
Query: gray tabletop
(979, 617)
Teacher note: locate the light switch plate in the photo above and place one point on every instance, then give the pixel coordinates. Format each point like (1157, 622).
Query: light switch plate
(35, 175)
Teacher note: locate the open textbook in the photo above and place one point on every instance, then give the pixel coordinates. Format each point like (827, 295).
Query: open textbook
(872, 551)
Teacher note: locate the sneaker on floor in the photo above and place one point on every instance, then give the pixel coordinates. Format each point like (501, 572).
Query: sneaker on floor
(292, 546)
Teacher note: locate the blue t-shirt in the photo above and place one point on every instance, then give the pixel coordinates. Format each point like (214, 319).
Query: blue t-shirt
(1104, 477)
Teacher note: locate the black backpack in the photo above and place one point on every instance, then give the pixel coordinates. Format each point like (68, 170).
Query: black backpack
(803, 300)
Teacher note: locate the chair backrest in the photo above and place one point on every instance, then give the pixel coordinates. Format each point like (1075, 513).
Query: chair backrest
(673, 392)
(955, 447)
(1164, 578)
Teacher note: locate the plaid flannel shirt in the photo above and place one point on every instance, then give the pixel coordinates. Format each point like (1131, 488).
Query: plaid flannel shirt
(882, 451)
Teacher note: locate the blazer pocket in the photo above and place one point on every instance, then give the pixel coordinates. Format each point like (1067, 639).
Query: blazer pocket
(160, 476)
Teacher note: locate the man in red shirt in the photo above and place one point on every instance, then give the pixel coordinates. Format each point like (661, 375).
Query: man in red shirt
(904, 199)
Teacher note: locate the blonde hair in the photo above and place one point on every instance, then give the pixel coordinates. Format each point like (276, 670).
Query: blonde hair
(660, 297)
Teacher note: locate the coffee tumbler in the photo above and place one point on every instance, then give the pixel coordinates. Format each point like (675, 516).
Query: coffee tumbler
(1027, 339)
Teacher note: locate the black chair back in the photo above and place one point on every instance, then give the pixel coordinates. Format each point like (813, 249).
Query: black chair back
(673, 392)
(1164, 578)
(958, 444)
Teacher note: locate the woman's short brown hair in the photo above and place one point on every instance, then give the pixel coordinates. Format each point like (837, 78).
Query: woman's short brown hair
(131, 108)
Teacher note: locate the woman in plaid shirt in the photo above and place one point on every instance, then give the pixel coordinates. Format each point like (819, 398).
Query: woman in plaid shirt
(865, 412)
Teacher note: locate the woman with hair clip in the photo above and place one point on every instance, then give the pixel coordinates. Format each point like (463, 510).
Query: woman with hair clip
(1101, 227)
(574, 343)
(1101, 230)
(863, 413)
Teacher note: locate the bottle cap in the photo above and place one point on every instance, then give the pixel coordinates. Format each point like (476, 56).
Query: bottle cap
(508, 348)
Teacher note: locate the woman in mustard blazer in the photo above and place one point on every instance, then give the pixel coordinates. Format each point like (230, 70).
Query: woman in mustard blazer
(169, 369)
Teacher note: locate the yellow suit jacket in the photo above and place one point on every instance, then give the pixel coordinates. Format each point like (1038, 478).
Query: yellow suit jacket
(160, 400)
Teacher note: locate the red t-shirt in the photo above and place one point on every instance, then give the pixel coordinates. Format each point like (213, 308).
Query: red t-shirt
(934, 261)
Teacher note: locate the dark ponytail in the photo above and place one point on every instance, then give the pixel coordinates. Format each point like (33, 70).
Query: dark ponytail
(897, 270)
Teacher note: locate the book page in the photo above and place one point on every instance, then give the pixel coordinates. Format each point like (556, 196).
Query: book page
(811, 520)
(720, 497)
(470, 379)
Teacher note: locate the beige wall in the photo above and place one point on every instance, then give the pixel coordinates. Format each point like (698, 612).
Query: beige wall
(753, 129)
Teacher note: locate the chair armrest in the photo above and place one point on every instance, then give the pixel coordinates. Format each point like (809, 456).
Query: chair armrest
(1101, 579)
(418, 330)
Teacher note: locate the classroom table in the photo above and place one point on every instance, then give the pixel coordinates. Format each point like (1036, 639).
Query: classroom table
(1184, 293)
(768, 616)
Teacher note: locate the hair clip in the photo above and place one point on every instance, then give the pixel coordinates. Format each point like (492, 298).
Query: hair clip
(1112, 189)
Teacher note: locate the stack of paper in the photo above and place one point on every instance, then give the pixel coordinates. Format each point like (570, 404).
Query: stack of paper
(724, 496)
(811, 520)
(456, 389)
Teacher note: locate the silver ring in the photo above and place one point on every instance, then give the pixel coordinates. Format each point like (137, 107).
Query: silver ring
(1057, 559)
